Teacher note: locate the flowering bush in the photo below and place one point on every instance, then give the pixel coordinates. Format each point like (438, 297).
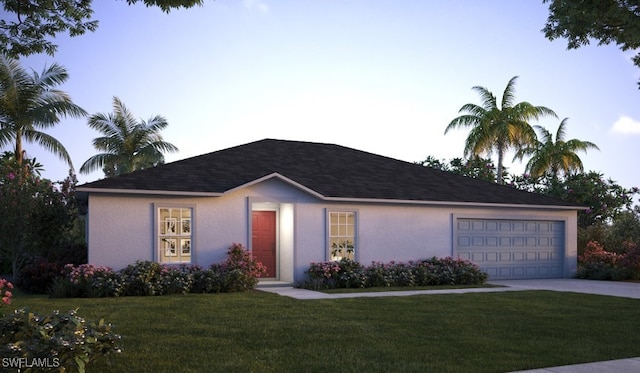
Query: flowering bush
(5, 292)
(241, 270)
(64, 342)
(598, 264)
(349, 274)
(87, 280)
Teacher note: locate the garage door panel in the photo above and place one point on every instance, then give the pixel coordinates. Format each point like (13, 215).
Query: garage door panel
(510, 249)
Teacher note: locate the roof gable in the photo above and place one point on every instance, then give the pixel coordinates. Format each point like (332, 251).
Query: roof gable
(325, 170)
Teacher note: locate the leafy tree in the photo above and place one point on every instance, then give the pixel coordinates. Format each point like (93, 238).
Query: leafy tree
(608, 21)
(38, 216)
(603, 199)
(476, 167)
(624, 230)
(35, 21)
(498, 127)
(553, 157)
(127, 145)
(30, 103)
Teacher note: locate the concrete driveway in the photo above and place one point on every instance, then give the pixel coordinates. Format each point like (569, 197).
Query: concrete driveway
(612, 288)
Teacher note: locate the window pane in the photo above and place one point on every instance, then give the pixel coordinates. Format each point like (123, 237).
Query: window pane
(341, 235)
(175, 230)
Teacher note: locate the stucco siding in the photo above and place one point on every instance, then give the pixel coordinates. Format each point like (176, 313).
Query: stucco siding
(121, 228)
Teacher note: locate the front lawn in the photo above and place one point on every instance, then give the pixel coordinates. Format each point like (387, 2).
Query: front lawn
(263, 332)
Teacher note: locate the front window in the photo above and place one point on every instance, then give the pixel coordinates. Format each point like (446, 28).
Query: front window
(342, 235)
(175, 235)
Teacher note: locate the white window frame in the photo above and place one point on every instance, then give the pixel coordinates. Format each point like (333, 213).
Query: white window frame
(174, 234)
(342, 236)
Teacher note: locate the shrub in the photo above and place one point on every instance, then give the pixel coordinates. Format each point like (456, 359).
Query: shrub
(37, 275)
(61, 341)
(208, 281)
(142, 278)
(241, 270)
(5, 292)
(349, 274)
(631, 260)
(87, 280)
(598, 264)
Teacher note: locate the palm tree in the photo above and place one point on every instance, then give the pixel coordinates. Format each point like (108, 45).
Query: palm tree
(498, 128)
(127, 145)
(554, 156)
(30, 103)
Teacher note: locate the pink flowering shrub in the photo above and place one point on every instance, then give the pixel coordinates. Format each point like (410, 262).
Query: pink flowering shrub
(87, 280)
(424, 272)
(598, 264)
(239, 272)
(5, 292)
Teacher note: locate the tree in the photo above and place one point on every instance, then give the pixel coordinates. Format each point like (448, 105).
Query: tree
(35, 21)
(30, 103)
(127, 145)
(498, 128)
(608, 21)
(553, 157)
(38, 216)
(476, 167)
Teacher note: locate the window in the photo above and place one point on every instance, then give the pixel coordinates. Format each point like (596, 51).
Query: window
(342, 235)
(174, 239)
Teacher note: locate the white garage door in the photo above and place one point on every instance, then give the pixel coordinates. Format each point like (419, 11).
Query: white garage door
(512, 249)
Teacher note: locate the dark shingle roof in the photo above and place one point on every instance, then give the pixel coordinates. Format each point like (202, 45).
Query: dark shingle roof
(331, 171)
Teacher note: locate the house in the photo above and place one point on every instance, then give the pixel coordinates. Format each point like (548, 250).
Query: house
(292, 203)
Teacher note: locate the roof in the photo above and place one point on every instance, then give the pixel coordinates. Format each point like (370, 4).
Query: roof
(328, 171)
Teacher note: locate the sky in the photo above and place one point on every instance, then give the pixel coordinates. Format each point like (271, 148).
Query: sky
(381, 76)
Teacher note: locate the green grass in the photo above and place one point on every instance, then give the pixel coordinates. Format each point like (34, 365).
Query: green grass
(262, 332)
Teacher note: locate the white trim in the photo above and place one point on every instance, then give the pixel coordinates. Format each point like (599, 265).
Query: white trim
(148, 192)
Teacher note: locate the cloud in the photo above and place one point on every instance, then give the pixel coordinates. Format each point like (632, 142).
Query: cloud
(627, 126)
(258, 5)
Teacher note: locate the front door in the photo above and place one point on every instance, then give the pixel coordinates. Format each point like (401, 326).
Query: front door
(264, 240)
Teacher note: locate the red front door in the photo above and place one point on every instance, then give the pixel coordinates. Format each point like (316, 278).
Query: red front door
(264, 239)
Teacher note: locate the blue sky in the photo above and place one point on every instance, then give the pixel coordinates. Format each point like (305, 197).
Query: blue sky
(381, 76)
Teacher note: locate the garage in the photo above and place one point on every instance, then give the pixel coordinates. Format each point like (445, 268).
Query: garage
(511, 249)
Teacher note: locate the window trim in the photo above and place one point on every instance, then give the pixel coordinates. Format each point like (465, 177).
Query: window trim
(157, 234)
(328, 236)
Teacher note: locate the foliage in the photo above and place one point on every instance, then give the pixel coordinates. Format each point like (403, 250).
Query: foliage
(58, 340)
(37, 275)
(30, 103)
(87, 280)
(605, 200)
(126, 145)
(552, 157)
(498, 127)
(622, 231)
(580, 21)
(37, 21)
(425, 272)
(239, 272)
(5, 292)
(40, 217)
(596, 263)
(476, 167)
